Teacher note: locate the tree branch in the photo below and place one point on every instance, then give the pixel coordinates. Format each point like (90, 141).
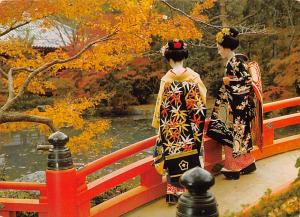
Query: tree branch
(252, 30)
(19, 117)
(248, 17)
(46, 66)
(22, 69)
(190, 17)
(61, 61)
(217, 17)
(2, 72)
(292, 25)
(151, 53)
(205, 45)
(10, 78)
(11, 28)
(10, 85)
(242, 29)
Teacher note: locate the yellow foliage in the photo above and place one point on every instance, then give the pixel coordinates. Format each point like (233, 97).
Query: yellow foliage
(176, 27)
(290, 206)
(88, 139)
(35, 86)
(135, 21)
(20, 10)
(68, 113)
(200, 7)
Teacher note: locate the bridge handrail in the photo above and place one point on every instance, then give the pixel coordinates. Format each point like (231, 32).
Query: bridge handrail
(148, 143)
(115, 178)
(286, 103)
(25, 205)
(283, 121)
(116, 156)
(22, 186)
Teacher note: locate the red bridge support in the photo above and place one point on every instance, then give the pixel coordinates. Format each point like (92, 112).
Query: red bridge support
(61, 193)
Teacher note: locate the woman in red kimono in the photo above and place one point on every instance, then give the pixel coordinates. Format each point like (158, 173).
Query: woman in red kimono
(230, 123)
(179, 117)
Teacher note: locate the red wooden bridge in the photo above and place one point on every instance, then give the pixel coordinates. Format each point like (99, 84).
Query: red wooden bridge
(66, 193)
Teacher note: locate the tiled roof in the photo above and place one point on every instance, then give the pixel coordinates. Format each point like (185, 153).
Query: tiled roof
(54, 37)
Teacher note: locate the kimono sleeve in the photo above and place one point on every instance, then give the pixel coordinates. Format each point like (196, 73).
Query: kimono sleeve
(240, 79)
(202, 88)
(156, 115)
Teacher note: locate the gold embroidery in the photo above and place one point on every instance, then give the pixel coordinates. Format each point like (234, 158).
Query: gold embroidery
(182, 154)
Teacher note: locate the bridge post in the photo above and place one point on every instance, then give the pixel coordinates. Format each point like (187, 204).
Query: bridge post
(197, 202)
(61, 178)
(268, 134)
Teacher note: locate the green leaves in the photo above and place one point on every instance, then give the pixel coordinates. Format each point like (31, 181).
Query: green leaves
(297, 165)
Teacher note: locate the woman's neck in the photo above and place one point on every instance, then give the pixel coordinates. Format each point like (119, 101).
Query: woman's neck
(177, 67)
(230, 55)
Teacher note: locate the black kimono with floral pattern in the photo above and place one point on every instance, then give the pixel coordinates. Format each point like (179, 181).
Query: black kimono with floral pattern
(230, 123)
(182, 117)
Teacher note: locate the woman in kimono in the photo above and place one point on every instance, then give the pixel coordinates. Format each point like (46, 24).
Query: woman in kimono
(230, 123)
(179, 117)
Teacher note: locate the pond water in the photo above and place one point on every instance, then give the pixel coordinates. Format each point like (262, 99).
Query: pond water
(18, 150)
(19, 155)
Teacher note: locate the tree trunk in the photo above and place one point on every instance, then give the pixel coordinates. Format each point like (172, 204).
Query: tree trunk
(8, 117)
(249, 50)
(223, 14)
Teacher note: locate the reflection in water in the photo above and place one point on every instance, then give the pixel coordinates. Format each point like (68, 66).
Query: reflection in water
(19, 152)
(21, 158)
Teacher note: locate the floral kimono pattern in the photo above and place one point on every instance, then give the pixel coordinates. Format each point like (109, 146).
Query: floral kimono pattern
(181, 124)
(235, 101)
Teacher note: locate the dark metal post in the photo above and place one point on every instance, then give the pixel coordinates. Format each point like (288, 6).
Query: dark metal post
(197, 202)
(61, 179)
(59, 157)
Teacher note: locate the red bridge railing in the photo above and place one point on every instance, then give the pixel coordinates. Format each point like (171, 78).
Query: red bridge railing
(67, 194)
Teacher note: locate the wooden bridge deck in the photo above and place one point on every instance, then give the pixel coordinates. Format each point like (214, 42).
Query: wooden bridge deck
(271, 173)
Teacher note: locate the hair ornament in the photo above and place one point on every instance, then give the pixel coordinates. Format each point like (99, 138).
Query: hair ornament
(164, 48)
(185, 45)
(175, 49)
(220, 35)
(177, 44)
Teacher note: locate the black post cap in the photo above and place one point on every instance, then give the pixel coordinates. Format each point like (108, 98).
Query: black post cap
(197, 180)
(58, 139)
(59, 157)
(197, 202)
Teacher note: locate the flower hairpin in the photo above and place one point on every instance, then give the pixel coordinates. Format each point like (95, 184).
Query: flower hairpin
(177, 44)
(164, 48)
(220, 35)
(185, 45)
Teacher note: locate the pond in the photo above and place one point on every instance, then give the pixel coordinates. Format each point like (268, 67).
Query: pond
(18, 150)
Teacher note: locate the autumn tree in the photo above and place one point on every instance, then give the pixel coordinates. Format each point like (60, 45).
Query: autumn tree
(108, 34)
(286, 70)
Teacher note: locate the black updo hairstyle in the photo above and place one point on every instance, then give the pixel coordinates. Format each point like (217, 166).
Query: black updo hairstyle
(176, 50)
(230, 41)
